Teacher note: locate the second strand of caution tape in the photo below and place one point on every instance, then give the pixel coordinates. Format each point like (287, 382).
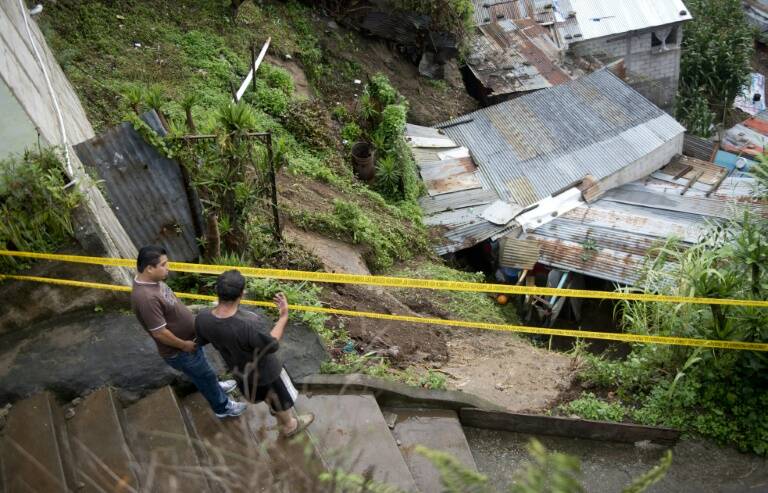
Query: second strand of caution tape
(630, 338)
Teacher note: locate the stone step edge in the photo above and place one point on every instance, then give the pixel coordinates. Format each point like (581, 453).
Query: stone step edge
(394, 394)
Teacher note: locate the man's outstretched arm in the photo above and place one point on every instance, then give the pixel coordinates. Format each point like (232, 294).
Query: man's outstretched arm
(282, 321)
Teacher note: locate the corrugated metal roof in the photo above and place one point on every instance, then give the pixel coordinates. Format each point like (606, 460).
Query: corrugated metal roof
(537, 144)
(612, 265)
(629, 220)
(515, 56)
(599, 18)
(488, 11)
(457, 200)
(144, 188)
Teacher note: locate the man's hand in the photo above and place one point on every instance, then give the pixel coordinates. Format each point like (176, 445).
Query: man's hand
(282, 304)
(189, 347)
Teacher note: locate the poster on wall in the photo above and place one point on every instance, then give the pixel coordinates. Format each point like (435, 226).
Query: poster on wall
(752, 98)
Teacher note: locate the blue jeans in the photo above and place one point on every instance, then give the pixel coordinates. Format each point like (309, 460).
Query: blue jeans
(196, 367)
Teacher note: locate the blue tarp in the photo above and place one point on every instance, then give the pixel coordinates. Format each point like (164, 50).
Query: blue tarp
(729, 160)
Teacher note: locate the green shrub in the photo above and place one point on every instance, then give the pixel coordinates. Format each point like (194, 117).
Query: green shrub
(34, 204)
(588, 406)
(303, 293)
(271, 100)
(386, 240)
(351, 132)
(276, 78)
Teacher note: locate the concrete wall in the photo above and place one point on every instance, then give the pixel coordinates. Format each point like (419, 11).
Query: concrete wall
(17, 132)
(97, 228)
(641, 168)
(652, 72)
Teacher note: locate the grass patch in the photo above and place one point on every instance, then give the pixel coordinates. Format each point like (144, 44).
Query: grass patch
(379, 367)
(589, 406)
(386, 238)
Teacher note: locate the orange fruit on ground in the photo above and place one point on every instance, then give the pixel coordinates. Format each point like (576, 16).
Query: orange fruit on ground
(502, 299)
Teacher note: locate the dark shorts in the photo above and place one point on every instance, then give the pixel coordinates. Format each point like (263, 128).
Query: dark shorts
(277, 395)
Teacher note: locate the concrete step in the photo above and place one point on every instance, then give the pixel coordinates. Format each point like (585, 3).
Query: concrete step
(227, 446)
(350, 434)
(104, 461)
(436, 429)
(158, 436)
(35, 453)
(248, 453)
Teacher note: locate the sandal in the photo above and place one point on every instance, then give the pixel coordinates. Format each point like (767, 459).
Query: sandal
(303, 420)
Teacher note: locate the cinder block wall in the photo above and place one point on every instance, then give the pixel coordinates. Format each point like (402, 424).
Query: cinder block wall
(653, 73)
(98, 230)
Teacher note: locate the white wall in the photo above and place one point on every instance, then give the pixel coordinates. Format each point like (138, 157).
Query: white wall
(653, 161)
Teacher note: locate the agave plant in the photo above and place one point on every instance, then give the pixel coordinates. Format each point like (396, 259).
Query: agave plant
(189, 102)
(237, 118)
(134, 94)
(388, 175)
(154, 97)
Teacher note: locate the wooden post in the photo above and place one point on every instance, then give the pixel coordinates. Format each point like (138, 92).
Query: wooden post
(233, 90)
(253, 64)
(273, 182)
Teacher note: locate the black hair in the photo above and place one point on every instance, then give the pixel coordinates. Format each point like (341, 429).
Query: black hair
(149, 256)
(230, 285)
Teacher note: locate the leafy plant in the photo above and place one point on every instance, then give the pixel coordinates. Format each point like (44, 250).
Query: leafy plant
(135, 95)
(548, 472)
(588, 406)
(351, 132)
(388, 176)
(717, 47)
(716, 393)
(303, 293)
(35, 203)
(454, 476)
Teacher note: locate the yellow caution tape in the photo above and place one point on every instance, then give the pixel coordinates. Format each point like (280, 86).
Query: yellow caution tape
(395, 282)
(632, 338)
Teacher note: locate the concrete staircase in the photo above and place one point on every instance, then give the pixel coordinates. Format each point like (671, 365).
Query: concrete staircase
(163, 444)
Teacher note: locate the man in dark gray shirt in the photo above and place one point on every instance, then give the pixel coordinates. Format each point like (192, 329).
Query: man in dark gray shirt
(249, 351)
(172, 326)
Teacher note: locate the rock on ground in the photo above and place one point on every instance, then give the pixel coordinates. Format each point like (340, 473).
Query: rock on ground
(81, 351)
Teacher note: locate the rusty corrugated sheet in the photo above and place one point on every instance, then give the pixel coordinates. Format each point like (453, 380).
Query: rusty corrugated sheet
(450, 175)
(508, 57)
(612, 265)
(144, 188)
(489, 11)
(518, 253)
(698, 147)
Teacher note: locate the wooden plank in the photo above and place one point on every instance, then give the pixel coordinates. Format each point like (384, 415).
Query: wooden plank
(566, 427)
(691, 182)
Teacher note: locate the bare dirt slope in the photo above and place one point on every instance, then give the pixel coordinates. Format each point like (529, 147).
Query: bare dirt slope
(500, 367)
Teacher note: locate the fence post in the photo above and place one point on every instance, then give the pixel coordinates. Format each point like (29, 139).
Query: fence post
(273, 183)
